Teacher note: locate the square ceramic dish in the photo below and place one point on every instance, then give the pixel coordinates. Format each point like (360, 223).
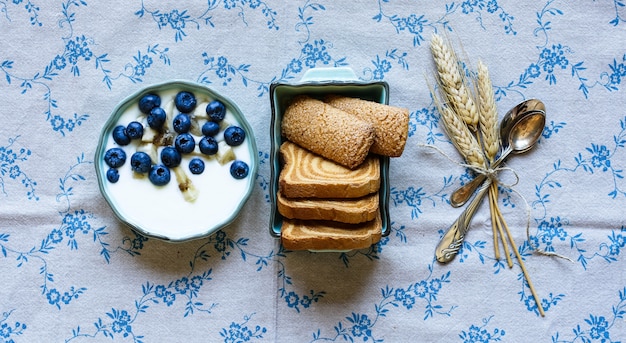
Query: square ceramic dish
(318, 82)
(163, 212)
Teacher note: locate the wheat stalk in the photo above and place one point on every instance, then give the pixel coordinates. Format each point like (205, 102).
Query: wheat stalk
(488, 123)
(488, 119)
(454, 85)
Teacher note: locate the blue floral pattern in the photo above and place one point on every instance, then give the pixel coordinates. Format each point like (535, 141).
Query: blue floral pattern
(10, 161)
(10, 330)
(7, 6)
(477, 333)
(119, 322)
(240, 332)
(65, 64)
(420, 26)
(360, 326)
(596, 158)
(312, 55)
(180, 20)
(599, 328)
(554, 58)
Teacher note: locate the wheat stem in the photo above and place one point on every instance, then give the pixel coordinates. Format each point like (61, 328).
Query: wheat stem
(496, 216)
(492, 204)
(521, 263)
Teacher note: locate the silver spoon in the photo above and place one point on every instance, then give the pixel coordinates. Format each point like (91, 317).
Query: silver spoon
(521, 131)
(528, 126)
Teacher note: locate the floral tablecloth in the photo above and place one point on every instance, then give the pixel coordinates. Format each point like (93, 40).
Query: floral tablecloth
(72, 272)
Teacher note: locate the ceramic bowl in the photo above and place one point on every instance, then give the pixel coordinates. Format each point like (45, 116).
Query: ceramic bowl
(164, 212)
(318, 82)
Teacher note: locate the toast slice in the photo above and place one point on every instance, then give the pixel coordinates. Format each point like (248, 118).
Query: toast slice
(307, 175)
(351, 211)
(329, 235)
(391, 124)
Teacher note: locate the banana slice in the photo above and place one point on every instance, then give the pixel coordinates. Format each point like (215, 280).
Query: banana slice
(149, 148)
(196, 127)
(148, 134)
(190, 192)
(200, 111)
(224, 125)
(169, 115)
(225, 153)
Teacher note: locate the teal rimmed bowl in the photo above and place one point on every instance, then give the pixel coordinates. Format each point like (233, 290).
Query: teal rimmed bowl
(163, 212)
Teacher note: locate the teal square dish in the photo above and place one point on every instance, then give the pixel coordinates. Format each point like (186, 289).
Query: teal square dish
(318, 82)
(161, 211)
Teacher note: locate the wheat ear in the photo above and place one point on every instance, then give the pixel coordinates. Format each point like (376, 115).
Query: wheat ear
(453, 84)
(460, 135)
(488, 119)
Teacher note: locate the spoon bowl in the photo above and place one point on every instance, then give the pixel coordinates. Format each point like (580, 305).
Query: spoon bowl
(520, 129)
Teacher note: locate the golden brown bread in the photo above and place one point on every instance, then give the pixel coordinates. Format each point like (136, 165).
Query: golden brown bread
(327, 131)
(351, 211)
(327, 235)
(307, 175)
(391, 124)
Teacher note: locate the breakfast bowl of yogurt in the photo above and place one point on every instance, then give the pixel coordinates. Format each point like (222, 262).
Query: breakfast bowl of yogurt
(176, 161)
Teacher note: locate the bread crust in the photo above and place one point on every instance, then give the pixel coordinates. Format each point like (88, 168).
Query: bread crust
(308, 175)
(352, 211)
(391, 124)
(327, 131)
(328, 235)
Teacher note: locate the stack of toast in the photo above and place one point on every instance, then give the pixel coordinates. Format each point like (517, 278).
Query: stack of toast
(330, 178)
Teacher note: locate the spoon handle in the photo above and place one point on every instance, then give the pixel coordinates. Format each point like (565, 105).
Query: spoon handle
(462, 194)
(452, 240)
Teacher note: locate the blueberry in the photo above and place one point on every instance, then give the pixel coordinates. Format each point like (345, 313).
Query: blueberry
(159, 175)
(210, 128)
(134, 130)
(239, 169)
(113, 175)
(185, 101)
(182, 123)
(185, 143)
(216, 110)
(119, 135)
(156, 118)
(234, 135)
(170, 157)
(140, 162)
(115, 157)
(148, 102)
(196, 166)
(208, 145)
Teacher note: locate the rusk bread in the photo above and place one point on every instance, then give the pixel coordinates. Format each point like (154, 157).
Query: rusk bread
(308, 175)
(327, 131)
(391, 124)
(351, 211)
(327, 235)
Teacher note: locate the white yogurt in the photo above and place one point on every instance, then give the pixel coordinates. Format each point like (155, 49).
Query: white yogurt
(162, 210)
